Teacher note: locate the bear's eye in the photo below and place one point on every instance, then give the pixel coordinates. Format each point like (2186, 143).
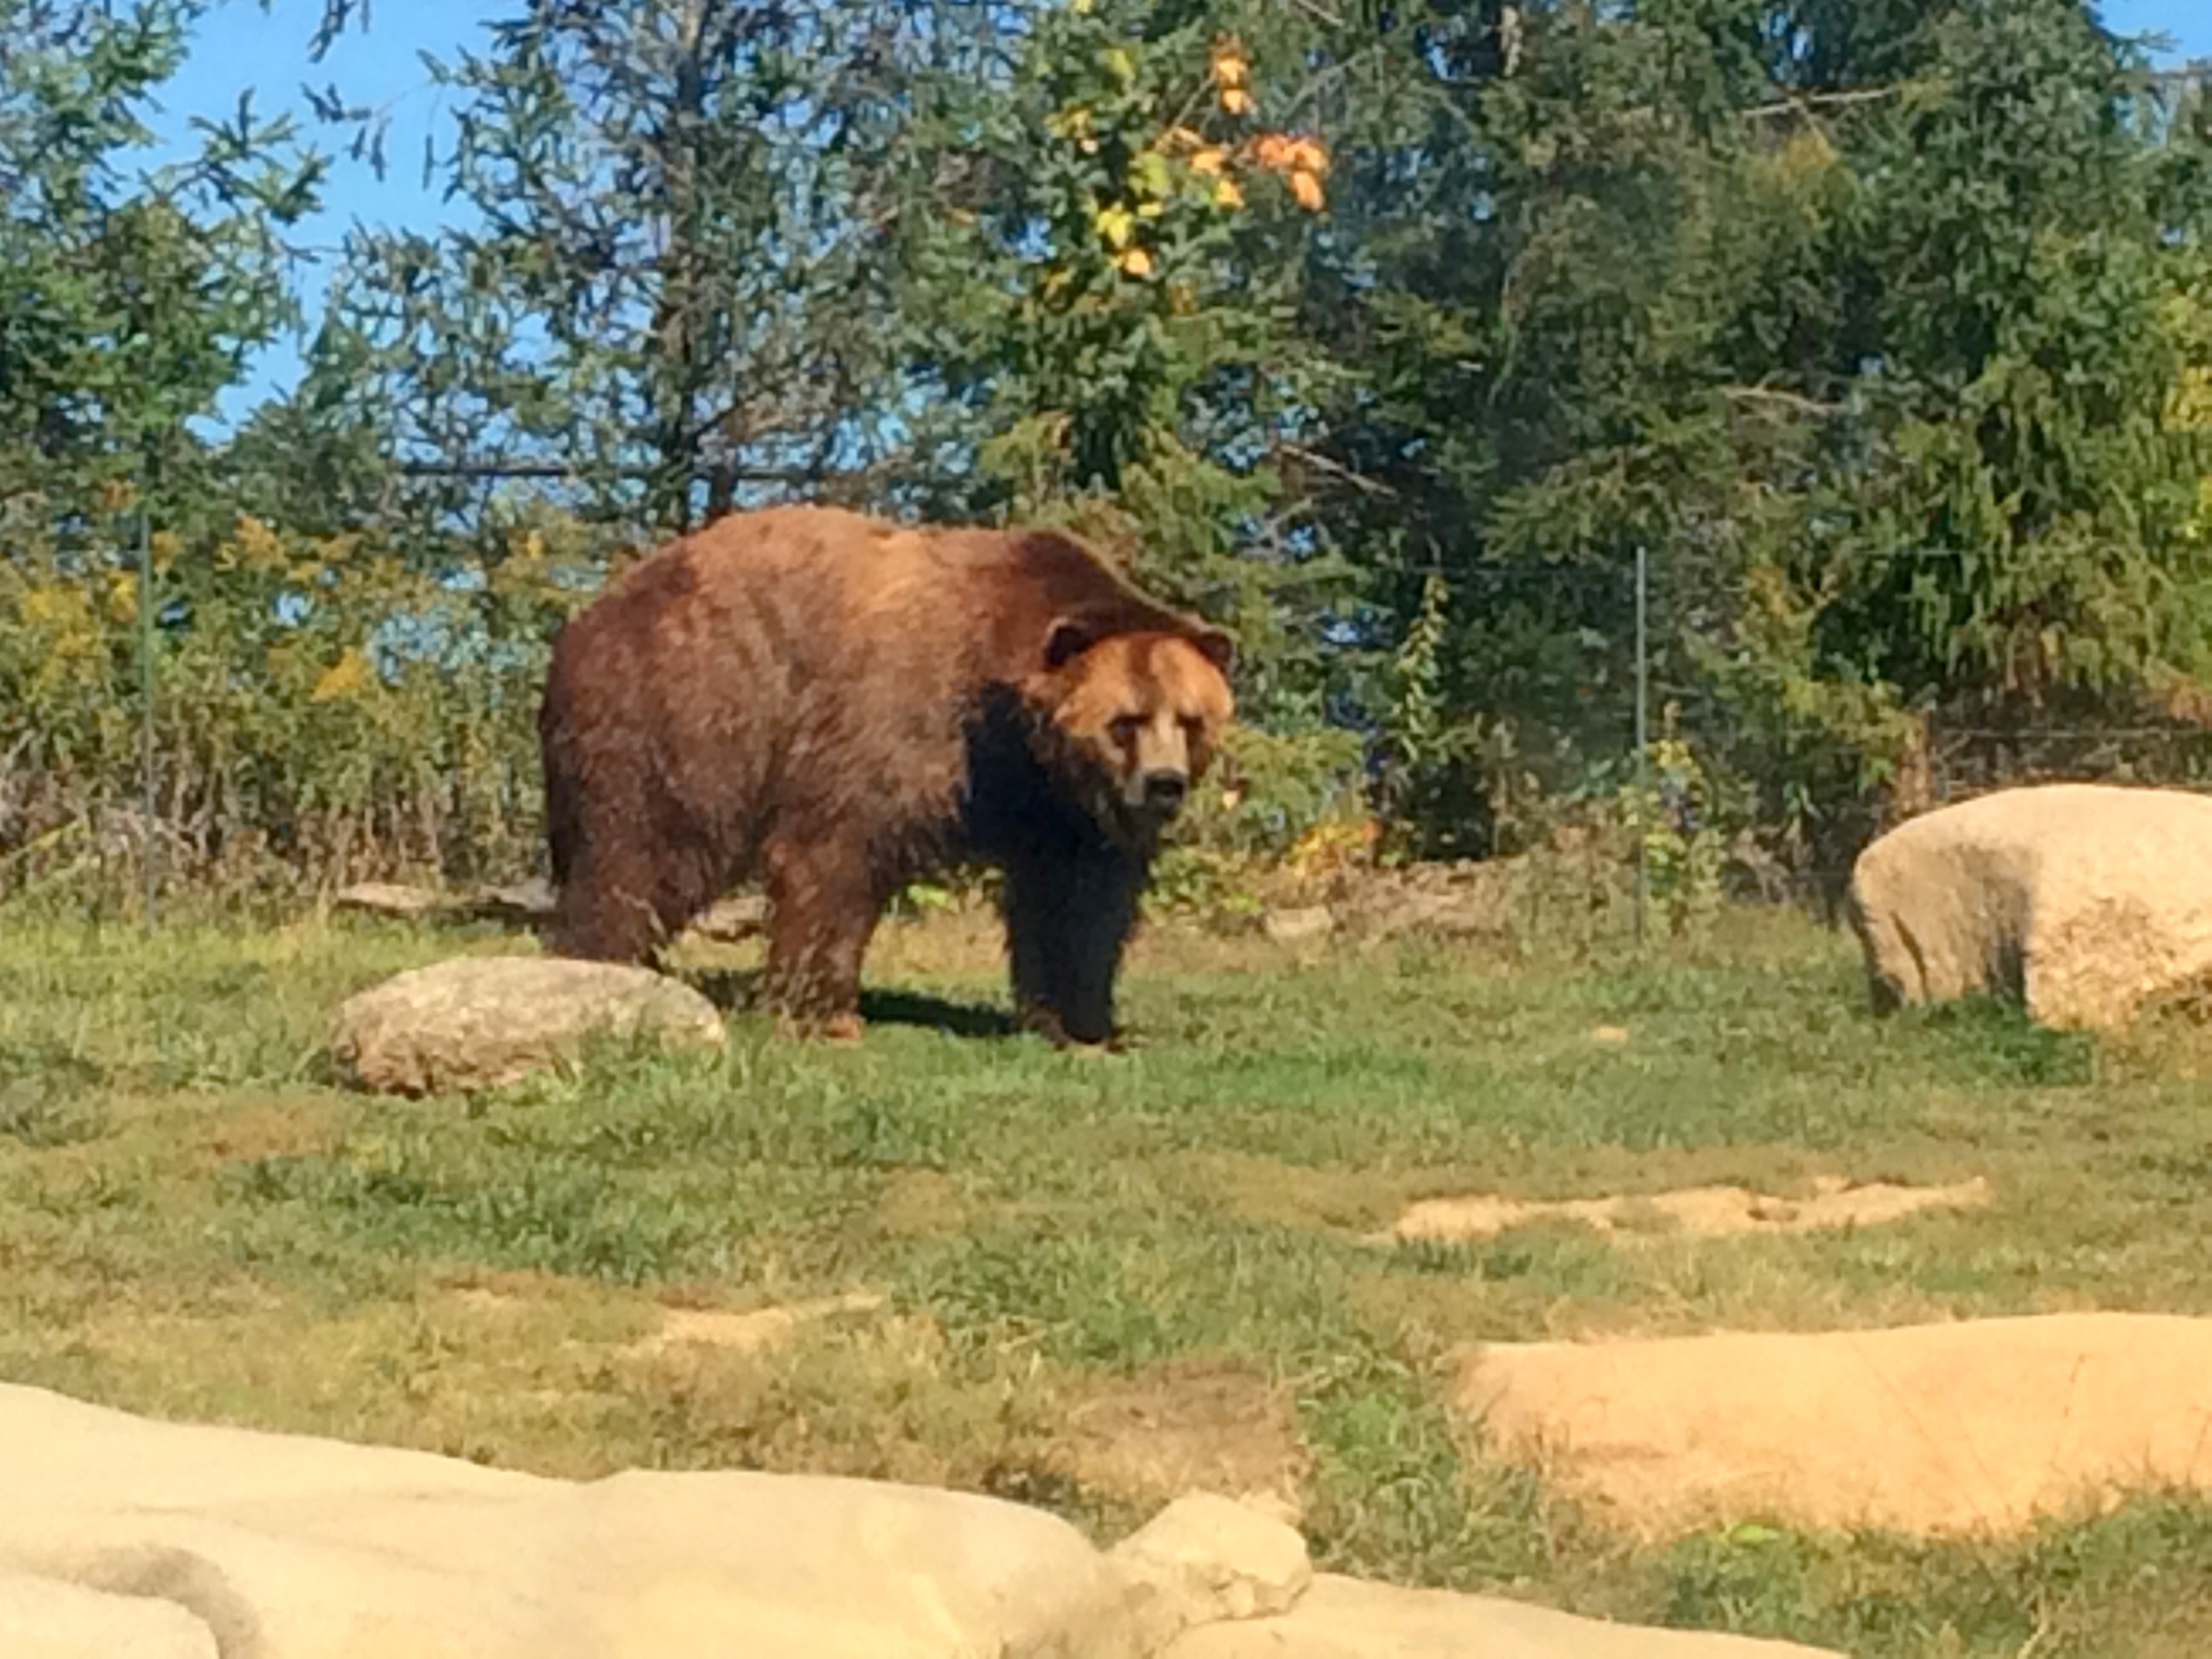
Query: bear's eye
(1124, 729)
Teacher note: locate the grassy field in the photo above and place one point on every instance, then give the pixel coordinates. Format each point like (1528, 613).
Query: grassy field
(1099, 1275)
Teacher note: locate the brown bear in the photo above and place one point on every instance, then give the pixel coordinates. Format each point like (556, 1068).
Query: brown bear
(837, 705)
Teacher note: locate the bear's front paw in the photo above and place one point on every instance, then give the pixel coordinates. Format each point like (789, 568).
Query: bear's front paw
(843, 1029)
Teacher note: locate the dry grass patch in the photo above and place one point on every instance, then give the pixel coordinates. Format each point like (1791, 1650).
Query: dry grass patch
(1201, 1424)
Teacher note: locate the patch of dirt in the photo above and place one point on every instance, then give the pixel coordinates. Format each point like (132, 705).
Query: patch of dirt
(1150, 1438)
(1978, 1427)
(1697, 1212)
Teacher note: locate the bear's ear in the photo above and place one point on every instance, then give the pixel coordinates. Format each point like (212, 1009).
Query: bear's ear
(1220, 649)
(1066, 640)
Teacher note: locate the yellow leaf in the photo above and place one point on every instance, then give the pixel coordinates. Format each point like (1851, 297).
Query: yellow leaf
(343, 679)
(1236, 100)
(1149, 174)
(1136, 263)
(259, 548)
(1227, 195)
(1210, 162)
(1306, 189)
(1115, 224)
(1119, 64)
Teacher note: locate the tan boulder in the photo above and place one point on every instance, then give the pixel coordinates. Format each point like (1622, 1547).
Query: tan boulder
(1204, 1558)
(49, 1619)
(287, 1547)
(2080, 899)
(1345, 1619)
(1979, 1426)
(478, 1022)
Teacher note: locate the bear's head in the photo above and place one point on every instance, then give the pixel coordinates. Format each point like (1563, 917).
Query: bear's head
(1139, 714)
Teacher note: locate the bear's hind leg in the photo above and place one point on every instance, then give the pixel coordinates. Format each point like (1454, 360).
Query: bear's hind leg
(822, 902)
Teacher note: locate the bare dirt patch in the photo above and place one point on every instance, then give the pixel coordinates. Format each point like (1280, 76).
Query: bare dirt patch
(1206, 1424)
(1976, 1427)
(1698, 1212)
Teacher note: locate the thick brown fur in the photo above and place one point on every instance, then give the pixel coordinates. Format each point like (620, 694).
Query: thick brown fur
(834, 706)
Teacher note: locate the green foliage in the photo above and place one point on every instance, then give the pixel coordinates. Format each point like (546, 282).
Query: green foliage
(127, 302)
(1101, 300)
(1859, 318)
(1386, 340)
(669, 299)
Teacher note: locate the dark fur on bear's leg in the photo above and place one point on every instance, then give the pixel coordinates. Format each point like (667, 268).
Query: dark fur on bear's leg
(823, 906)
(1067, 921)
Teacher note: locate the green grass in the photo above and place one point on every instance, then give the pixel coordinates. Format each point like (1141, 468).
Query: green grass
(195, 1222)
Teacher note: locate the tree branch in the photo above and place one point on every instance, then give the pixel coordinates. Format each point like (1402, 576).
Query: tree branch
(1793, 401)
(1805, 102)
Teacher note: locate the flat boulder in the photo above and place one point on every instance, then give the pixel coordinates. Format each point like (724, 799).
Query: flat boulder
(2079, 901)
(1973, 1427)
(284, 1546)
(1346, 1619)
(1204, 1559)
(122, 1535)
(478, 1022)
(52, 1618)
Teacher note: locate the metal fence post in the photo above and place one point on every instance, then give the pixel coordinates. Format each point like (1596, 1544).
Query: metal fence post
(1643, 741)
(150, 872)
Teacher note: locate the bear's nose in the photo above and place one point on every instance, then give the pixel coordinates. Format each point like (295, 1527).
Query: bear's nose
(1163, 790)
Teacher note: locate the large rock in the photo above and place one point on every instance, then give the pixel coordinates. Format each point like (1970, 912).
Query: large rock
(285, 1547)
(49, 1619)
(1206, 1557)
(477, 1022)
(1978, 1427)
(1345, 1619)
(128, 1539)
(2080, 899)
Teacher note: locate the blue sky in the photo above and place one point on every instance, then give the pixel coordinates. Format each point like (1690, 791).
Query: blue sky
(240, 45)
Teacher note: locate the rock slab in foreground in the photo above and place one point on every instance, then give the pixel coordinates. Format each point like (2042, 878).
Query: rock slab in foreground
(1347, 1619)
(199, 1541)
(478, 1022)
(47, 1618)
(1977, 1427)
(1206, 1558)
(287, 1547)
(2080, 899)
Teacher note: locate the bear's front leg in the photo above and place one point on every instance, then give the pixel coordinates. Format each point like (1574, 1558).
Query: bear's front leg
(1067, 920)
(823, 906)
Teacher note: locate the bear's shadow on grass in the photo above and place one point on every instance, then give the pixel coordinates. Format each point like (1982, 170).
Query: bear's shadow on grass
(734, 990)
